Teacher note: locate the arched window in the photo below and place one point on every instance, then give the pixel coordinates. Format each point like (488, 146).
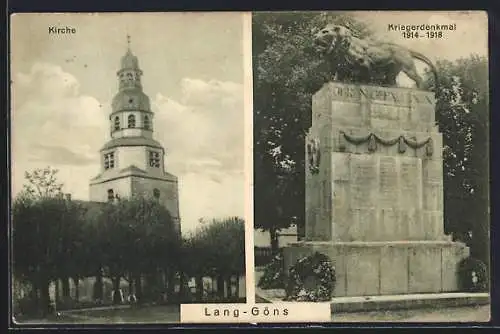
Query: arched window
(109, 160)
(156, 193)
(131, 121)
(111, 195)
(117, 123)
(147, 124)
(154, 159)
(122, 77)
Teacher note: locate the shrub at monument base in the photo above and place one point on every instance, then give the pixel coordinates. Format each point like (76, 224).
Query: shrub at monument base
(312, 279)
(274, 276)
(473, 275)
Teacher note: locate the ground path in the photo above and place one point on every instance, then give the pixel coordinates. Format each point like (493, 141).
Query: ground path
(149, 314)
(449, 314)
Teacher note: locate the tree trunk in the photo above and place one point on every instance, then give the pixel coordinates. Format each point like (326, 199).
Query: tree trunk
(56, 290)
(76, 281)
(130, 285)
(170, 282)
(34, 294)
(220, 286)
(228, 287)
(138, 287)
(182, 287)
(98, 286)
(273, 234)
(237, 293)
(199, 288)
(45, 304)
(65, 289)
(151, 286)
(116, 290)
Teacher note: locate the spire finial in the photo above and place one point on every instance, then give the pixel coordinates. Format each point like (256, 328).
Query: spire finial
(128, 41)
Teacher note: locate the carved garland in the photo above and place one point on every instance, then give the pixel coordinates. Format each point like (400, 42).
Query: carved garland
(373, 140)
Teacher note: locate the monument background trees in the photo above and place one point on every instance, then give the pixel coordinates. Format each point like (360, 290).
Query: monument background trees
(462, 113)
(287, 72)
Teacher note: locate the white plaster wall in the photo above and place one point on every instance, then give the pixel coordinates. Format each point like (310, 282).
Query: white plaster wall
(133, 155)
(99, 191)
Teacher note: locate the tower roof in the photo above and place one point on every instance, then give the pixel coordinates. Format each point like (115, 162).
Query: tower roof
(131, 141)
(129, 61)
(131, 99)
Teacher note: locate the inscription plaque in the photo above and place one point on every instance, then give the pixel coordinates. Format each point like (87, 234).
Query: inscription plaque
(388, 182)
(385, 112)
(364, 173)
(433, 172)
(409, 183)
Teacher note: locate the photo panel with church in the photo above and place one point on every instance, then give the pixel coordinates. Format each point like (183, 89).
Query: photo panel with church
(127, 165)
(371, 163)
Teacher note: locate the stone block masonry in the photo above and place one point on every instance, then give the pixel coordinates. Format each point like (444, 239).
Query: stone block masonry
(374, 191)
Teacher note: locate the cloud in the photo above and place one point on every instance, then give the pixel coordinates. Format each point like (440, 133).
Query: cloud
(197, 92)
(205, 131)
(61, 155)
(203, 134)
(54, 124)
(203, 197)
(49, 110)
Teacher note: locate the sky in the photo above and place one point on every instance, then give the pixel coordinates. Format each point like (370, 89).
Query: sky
(62, 86)
(471, 35)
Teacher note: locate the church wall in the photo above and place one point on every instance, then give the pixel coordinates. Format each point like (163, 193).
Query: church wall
(169, 194)
(132, 132)
(99, 191)
(134, 155)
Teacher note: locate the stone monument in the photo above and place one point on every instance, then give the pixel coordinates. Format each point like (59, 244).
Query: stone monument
(374, 192)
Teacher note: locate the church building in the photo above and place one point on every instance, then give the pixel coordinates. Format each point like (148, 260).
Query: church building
(132, 161)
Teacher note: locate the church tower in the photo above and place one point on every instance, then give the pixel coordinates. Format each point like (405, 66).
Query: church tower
(132, 162)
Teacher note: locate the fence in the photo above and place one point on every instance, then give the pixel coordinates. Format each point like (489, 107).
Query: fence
(263, 255)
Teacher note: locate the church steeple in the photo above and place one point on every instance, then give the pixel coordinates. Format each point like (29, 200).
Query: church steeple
(131, 114)
(132, 161)
(129, 74)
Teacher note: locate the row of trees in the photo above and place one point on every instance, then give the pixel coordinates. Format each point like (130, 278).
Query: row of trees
(287, 72)
(56, 239)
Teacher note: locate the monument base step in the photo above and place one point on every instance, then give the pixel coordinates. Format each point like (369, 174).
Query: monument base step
(389, 302)
(405, 302)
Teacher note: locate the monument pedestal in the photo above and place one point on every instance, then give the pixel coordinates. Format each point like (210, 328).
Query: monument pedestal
(387, 268)
(374, 192)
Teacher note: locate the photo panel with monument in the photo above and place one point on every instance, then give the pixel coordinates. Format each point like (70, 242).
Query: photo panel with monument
(371, 158)
(127, 165)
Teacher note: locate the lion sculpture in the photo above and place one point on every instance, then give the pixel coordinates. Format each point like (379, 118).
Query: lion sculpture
(369, 62)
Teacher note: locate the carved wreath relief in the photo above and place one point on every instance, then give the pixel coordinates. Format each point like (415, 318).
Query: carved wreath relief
(314, 155)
